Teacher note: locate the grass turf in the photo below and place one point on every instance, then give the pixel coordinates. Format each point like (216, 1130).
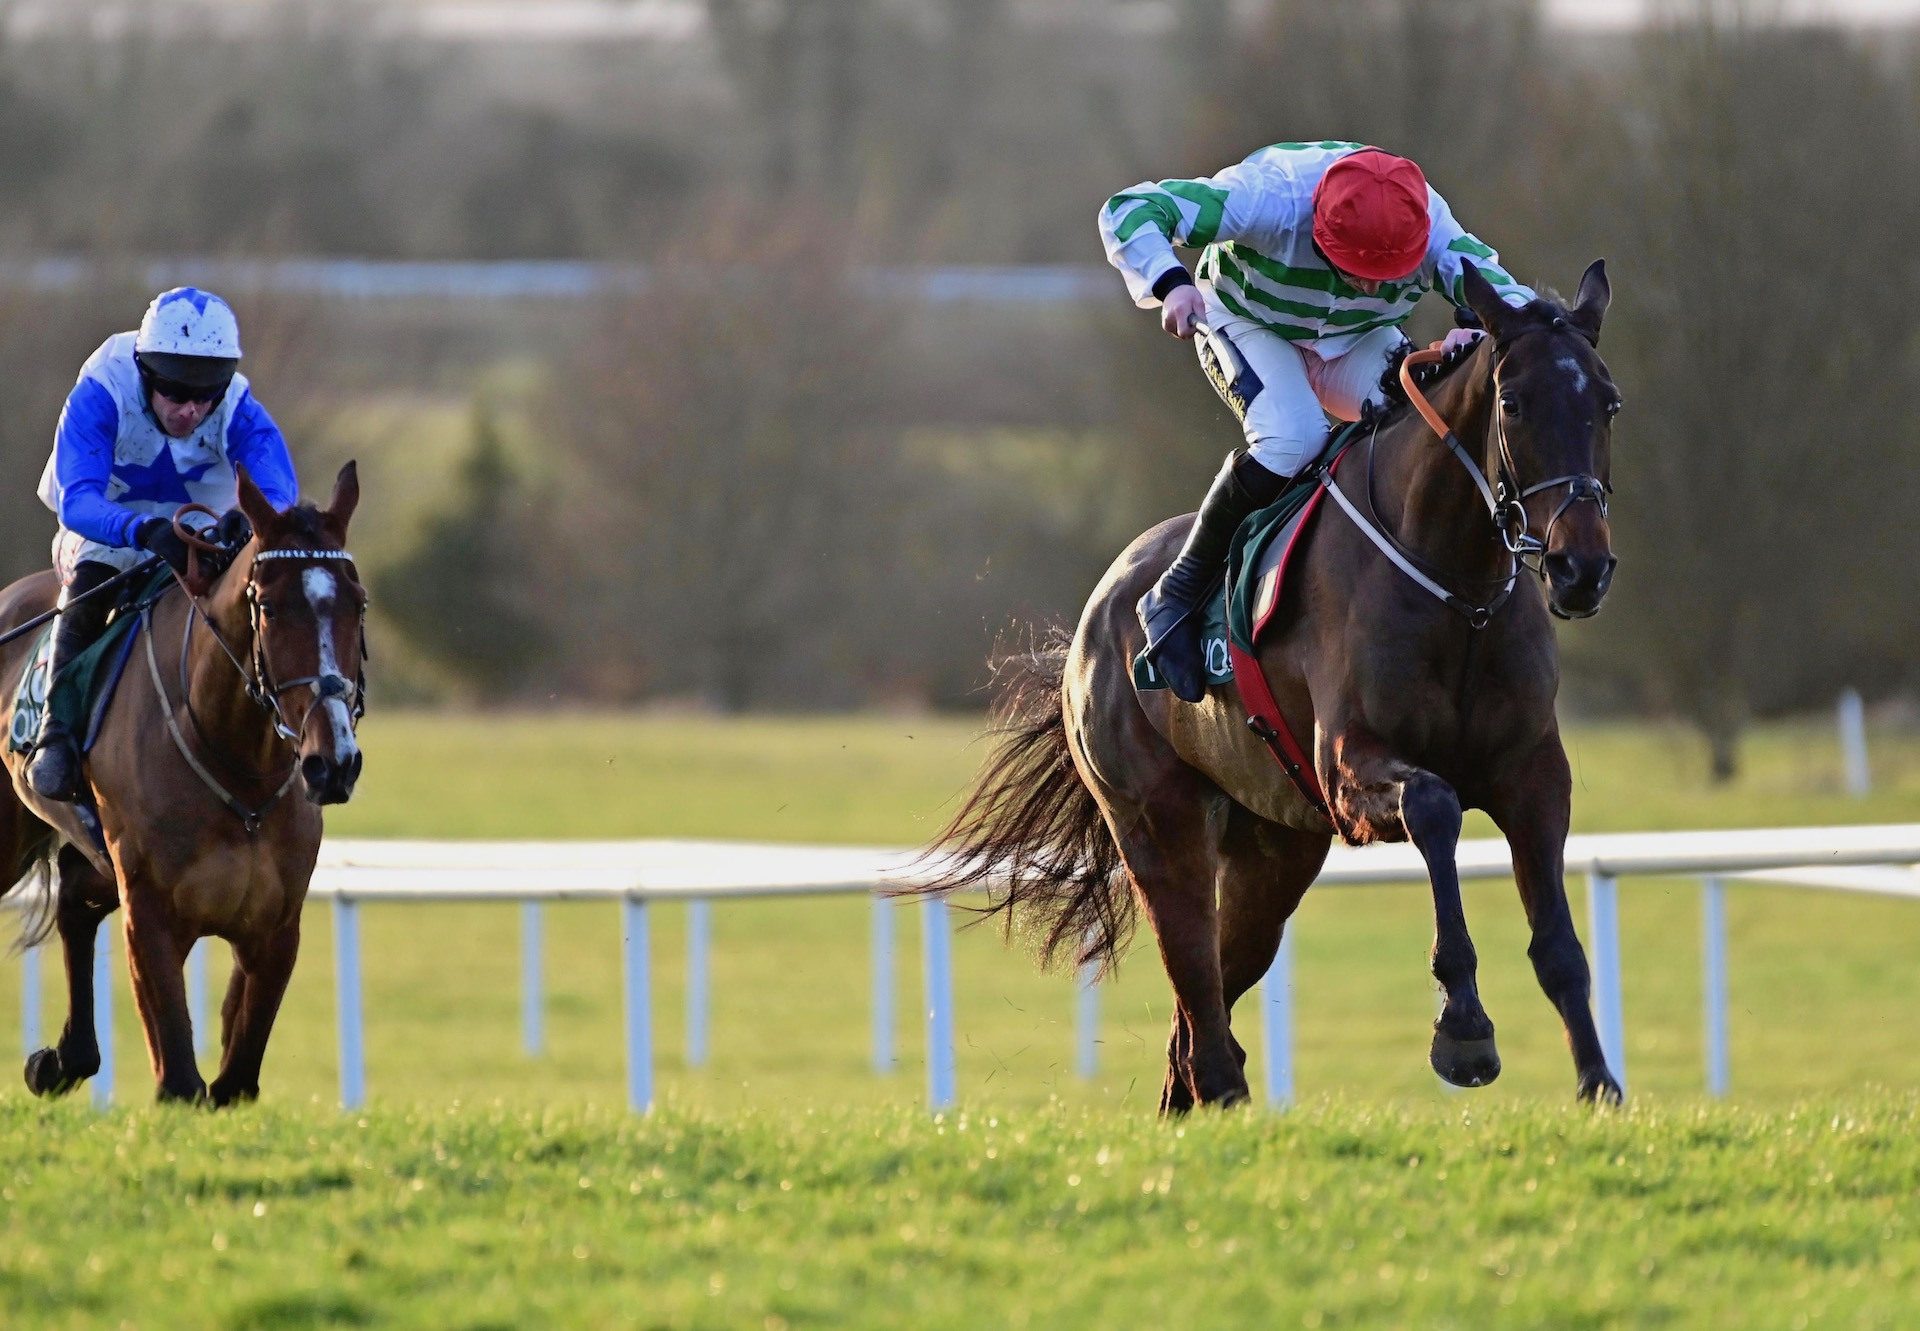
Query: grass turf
(484, 1188)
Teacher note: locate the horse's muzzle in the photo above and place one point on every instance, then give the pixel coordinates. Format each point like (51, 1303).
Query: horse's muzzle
(327, 781)
(1577, 584)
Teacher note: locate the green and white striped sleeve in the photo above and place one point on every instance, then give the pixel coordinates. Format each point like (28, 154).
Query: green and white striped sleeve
(1451, 245)
(1140, 226)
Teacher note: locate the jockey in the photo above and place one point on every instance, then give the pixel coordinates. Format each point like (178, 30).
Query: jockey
(1313, 256)
(158, 419)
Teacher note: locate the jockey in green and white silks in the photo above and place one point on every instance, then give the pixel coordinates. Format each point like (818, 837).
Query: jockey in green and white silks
(1313, 256)
(158, 418)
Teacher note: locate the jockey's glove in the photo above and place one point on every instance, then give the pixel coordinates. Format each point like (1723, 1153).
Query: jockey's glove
(158, 536)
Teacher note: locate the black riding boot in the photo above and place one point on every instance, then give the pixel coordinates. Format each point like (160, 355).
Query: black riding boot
(54, 772)
(1168, 611)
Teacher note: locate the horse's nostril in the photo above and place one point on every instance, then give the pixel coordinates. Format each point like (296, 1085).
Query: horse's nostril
(313, 768)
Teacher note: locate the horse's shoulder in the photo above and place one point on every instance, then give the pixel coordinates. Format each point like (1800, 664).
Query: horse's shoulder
(23, 598)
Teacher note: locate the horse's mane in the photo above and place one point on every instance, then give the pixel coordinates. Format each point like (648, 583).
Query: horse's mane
(1545, 307)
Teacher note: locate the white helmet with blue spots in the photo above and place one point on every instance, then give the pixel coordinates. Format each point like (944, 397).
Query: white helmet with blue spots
(189, 336)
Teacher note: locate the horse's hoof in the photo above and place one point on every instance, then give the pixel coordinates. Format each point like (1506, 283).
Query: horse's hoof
(46, 1075)
(1599, 1088)
(222, 1096)
(1464, 1062)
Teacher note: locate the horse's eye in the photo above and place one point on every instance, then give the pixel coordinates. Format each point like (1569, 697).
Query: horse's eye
(1510, 404)
(1613, 408)
(266, 610)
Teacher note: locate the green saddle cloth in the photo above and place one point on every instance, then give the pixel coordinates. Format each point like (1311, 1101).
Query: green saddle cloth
(80, 695)
(1228, 613)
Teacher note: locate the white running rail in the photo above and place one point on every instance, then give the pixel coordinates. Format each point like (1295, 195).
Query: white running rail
(353, 874)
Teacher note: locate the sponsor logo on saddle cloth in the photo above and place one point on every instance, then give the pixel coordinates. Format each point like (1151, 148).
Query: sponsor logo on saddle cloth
(30, 699)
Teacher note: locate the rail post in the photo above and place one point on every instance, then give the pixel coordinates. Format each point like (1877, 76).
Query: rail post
(882, 966)
(699, 987)
(29, 1001)
(1713, 944)
(1276, 1025)
(533, 1035)
(1086, 1023)
(1603, 916)
(639, 1004)
(197, 995)
(937, 951)
(346, 973)
(103, 1012)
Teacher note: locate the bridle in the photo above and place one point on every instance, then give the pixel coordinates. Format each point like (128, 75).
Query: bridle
(257, 674)
(1506, 507)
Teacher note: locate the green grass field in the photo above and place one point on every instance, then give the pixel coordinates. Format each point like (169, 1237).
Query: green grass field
(484, 1188)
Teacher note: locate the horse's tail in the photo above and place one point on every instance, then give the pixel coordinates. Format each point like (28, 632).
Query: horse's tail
(35, 895)
(1030, 831)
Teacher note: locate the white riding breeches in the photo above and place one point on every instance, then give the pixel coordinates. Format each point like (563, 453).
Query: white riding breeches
(1284, 412)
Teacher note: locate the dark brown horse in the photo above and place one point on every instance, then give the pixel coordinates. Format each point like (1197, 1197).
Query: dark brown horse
(1416, 709)
(224, 709)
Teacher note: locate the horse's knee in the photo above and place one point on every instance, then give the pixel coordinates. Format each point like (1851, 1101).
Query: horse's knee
(1430, 810)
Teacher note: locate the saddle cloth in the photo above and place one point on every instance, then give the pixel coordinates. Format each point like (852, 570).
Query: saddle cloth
(80, 695)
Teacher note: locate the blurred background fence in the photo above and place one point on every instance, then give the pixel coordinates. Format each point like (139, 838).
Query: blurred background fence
(759, 355)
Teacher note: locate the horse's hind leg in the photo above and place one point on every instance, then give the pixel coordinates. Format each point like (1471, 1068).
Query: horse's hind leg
(156, 957)
(1373, 792)
(1533, 807)
(1167, 850)
(262, 967)
(84, 897)
(1264, 871)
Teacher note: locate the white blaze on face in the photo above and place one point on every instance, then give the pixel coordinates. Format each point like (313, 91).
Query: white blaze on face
(321, 589)
(1572, 367)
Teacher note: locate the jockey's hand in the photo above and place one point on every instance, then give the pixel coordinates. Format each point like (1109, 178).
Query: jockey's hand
(1183, 307)
(1460, 337)
(157, 535)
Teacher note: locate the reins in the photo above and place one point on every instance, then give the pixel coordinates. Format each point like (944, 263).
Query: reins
(257, 679)
(1506, 507)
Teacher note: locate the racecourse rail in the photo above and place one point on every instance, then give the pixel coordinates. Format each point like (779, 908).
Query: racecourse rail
(352, 875)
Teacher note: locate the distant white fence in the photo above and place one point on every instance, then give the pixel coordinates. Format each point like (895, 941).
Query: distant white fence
(636, 874)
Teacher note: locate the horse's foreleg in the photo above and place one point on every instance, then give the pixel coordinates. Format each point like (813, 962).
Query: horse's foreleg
(1264, 871)
(1373, 792)
(253, 1001)
(84, 897)
(1532, 806)
(156, 957)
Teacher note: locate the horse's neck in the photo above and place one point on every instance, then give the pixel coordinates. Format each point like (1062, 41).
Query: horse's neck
(1422, 490)
(228, 719)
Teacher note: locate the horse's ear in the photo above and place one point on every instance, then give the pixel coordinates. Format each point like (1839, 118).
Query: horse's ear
(258, 508)
(1495, 315)
(346, 495)
(1591, 306)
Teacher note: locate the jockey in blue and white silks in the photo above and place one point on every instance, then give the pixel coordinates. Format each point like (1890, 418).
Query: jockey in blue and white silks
(159, 418)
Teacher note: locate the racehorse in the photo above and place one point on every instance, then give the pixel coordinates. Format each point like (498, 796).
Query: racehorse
(1413, 653)
(247, 683)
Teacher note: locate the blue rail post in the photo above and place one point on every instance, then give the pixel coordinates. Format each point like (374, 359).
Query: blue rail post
(103, 1012)
(937, 949)
(1603, 915)
(1276, 1027)
(346, 970)
(29, 1001)
(1713, 944)
(699, 984)
(533, 1034)
(639, 1004)
(882, 956)
(197, 995)
(1086, 1025)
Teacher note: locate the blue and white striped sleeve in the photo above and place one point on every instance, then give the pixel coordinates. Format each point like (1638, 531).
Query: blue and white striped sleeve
(255, 441)
(83, 464)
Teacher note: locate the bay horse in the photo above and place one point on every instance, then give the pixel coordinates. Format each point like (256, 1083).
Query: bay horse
(1102, 798)
(246, 683)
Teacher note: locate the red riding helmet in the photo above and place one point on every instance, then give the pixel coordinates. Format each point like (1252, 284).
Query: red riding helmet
(1370, 215)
